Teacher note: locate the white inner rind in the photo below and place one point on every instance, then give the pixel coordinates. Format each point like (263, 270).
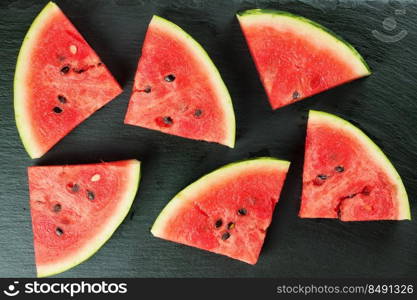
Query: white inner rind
(207, 64)
(85, 252)
(318, 117)
(205, 182)
(305, 28)
(22, 113)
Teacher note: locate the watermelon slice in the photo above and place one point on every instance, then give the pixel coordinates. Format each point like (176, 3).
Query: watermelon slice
(227, 211)
(59, 82)
(347, 176)
(178, 89)
(296, 57)
(76, 208)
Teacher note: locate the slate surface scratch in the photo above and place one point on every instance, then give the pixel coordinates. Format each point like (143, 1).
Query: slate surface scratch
(384, 105)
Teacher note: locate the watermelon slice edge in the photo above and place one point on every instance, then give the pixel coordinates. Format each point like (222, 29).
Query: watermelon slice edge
(48, 106)
(297, 57)
(55, 254)
(180, 54)
(379, 179)
(253, 186)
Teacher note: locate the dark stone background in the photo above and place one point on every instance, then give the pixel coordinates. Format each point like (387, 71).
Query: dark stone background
(383, 105)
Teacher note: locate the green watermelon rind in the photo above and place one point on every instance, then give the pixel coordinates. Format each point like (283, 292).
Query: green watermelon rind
(23, 125)
(375, 152)
(227, 104)
(181, 198)
(92, 248)
(324, 30)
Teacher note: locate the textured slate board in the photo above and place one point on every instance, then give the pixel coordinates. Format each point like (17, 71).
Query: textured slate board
(384, 105)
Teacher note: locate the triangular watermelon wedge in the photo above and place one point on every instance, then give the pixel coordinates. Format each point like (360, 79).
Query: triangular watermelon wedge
(347, 176)
(296, 57)
(76, 208)
(227, 211)
(59, 81)
(178, 90)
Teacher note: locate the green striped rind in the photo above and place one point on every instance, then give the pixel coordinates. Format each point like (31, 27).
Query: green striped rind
(308, 22)
(374, 151)
(204, 182)
(221, 88)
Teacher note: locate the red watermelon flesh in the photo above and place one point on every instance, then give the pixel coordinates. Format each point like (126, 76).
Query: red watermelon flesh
(227, 211)
(296, 57)
(347, 176)
(178, 90)
(76, 208)
(59, 82)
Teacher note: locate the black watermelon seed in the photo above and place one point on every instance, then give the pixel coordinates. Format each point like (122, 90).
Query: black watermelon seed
(167, 120)
(242, 212)
(231, 225)
(339, 169)
(322, 176)
(57, 110)
(218, 223)
(57, 207)
(79, 71)
(90, 195)
(225, 236)
(74, 187)
(62, 99)
(59, 231)
(65, 69)
(99, 64)
(169, 78)
(198, 112)
(147, 89)
(295, 95)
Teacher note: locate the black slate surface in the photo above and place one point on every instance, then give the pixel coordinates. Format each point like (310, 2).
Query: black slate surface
(384, 105)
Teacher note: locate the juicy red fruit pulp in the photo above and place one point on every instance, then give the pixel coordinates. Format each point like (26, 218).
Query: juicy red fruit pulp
(230, 217)
(341, 180)
(71, 205)
(173, 91)
(66, 81)
(292, 68)
(295, 57)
